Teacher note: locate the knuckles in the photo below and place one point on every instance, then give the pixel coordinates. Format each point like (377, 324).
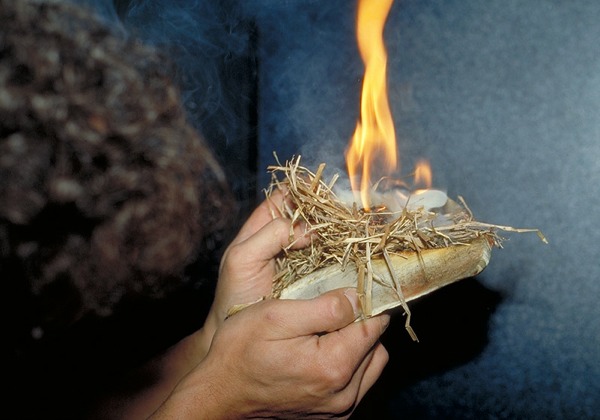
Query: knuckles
(335, 387)
(337, 310)
(344, 403)
(272, 317)
(336, 377)
(281, 229)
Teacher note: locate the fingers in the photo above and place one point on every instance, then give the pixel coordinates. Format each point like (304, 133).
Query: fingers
(329, 317)
(361, 362)
(326, 313)
(362, 335)
(263, 214)
(248, 267)
(363, 378)
(372, 370)
(356, 351)
(263, 237)
(316, 343)
(263, 245)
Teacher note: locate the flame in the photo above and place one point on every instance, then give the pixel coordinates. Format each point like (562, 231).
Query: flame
(423, 175)
(374, 141)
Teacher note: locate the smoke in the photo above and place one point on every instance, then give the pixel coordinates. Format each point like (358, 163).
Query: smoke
(311, 78)
(210, 45)
(309, 84)
(200, 36)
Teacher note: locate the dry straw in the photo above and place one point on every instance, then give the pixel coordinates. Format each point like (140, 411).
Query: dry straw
(345, 234)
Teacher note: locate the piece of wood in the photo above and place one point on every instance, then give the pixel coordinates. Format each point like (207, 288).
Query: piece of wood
(418, 275)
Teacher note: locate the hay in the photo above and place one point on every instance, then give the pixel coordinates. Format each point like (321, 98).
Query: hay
(345, 234)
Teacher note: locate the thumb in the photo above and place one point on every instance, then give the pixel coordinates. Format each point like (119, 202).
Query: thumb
(326, 313)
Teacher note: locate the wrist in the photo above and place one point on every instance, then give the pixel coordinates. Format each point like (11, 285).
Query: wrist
(197, 397)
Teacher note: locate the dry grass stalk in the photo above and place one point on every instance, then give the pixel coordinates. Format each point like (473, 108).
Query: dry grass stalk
(342, 234)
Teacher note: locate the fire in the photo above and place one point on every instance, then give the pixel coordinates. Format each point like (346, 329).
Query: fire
(423, 175)
(372, 150)
(374, 139)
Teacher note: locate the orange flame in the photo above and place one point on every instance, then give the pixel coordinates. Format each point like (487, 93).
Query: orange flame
(374, 139)
(423, 175)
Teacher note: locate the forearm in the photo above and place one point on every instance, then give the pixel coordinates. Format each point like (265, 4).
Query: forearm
(201, 405)
(158, 378)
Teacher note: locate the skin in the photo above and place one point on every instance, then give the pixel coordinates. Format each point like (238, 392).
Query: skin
(303, 359)
(276, 358)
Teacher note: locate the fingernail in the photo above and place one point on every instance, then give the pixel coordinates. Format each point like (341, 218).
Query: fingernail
(353, 299)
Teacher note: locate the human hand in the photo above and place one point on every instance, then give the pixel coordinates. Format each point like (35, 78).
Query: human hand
(248, 265)
(285, 359)
(246, 273)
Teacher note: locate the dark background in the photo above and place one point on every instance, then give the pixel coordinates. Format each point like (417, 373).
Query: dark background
(503, 97)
